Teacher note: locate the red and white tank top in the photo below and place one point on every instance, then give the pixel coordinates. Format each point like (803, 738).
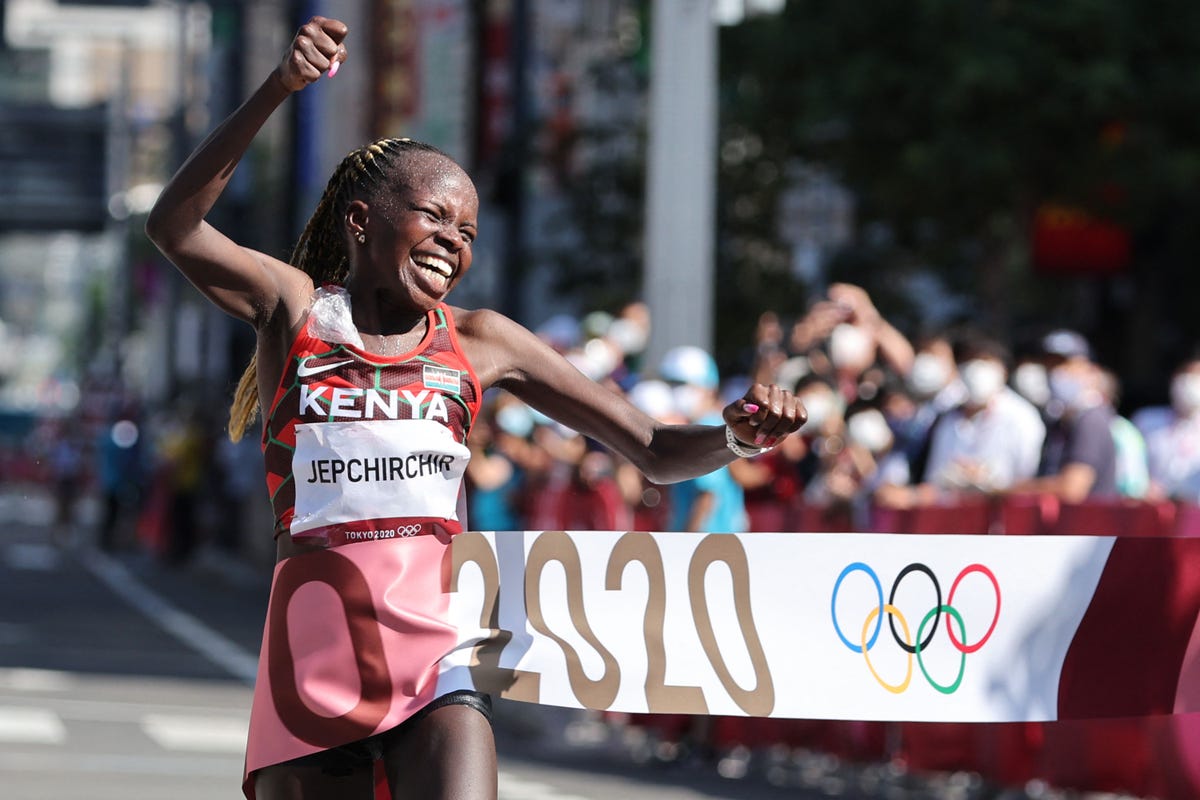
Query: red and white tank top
(361, 447)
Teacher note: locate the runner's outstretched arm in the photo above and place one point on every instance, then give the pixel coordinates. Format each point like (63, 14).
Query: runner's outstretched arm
(507, 355)
(243, 282)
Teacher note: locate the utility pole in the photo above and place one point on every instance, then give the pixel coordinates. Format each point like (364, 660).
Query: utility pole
(681, 176)
(512, 175)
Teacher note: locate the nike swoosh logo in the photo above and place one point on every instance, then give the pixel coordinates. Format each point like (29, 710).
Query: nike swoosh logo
(304, 370)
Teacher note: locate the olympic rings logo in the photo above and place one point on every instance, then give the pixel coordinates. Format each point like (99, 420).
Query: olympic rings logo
(914, 646)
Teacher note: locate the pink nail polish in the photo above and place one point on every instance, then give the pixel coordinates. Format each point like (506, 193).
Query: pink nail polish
(758, 440)
(333, 68)
(751, 408)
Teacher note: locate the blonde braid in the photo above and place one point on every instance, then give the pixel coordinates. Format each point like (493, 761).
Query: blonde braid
(321, 249)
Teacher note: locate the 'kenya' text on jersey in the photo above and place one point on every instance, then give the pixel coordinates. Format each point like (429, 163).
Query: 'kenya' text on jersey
(360, 446)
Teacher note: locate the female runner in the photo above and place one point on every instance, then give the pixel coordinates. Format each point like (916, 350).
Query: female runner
(368, 383)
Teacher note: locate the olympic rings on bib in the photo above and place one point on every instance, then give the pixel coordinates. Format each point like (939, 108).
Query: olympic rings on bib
(914, 643)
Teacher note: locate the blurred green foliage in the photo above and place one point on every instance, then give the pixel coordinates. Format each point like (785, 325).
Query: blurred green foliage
(950, 122)
(953, 120)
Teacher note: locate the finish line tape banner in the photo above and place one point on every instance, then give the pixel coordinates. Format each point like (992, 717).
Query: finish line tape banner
(829, 626)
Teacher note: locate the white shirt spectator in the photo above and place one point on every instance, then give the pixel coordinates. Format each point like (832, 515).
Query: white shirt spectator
(989, 450)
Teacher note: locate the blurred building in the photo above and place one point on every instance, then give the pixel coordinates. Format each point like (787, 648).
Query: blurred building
(88, 121)
(107, 98)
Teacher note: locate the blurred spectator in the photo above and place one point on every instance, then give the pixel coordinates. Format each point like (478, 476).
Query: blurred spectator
(852, 353)
(824, 434)
(650, 502)
(867, 428)
(1079, 458)
(1133, 474)
(239, 471)
(586, 494)
(630, 332)
(67, 474)
(771, 484)
(855, 334)
(851, 475)
(561, 331)
(592, 499)
(567, 482)
(891, 346)
(769, 350)
(1029, 379)
(555, 452)
(185, 451)
(714, 502)
(120, 471)
(1172, 435)
(936, 388)
(507, 470)
(899, 407)
(494, 480)
(818, 442)
(994, 438)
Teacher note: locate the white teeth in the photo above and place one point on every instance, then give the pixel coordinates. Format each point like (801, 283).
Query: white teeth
(438, 265)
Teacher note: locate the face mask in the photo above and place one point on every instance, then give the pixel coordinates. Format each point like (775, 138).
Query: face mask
(515, 420)
(820, 407)
(628, 336)
(690, 400)
(849, 347)
(1066, 387)
(1185, 393)
(983, 380)
(1030, 380)
(868, 429)
(654, 398)
(929, 374)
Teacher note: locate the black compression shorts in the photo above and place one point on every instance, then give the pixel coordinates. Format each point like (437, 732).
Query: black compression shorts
(346, 759)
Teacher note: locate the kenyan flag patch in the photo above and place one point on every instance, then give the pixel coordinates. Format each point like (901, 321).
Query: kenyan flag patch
(443, 379)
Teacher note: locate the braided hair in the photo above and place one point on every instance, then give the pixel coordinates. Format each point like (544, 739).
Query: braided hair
(321, 250)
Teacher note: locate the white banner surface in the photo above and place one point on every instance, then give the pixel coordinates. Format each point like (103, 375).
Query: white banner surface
(830, 626)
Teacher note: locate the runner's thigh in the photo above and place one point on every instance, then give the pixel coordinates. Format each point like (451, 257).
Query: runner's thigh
(449, 754)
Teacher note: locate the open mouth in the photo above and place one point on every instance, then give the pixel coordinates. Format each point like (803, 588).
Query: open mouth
(438, 266)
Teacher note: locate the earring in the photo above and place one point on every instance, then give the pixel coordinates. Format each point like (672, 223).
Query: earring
(361, 238)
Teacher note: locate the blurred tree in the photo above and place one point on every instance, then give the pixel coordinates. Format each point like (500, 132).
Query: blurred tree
(596, 158)
(952, 123)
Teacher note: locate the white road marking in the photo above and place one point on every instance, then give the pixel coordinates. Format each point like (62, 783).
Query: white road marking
(196, 733)
(125, 710)
(35, 680)
(112, 764)
(18, 505)
(31, 726)
(32, 557)
(513, 788)
(218, 649)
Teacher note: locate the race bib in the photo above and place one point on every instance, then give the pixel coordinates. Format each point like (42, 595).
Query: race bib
(348, 471)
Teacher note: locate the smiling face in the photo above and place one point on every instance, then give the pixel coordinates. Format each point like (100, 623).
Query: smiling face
(418, 231)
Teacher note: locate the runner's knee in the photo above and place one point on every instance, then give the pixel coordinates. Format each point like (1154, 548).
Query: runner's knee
(450, 753)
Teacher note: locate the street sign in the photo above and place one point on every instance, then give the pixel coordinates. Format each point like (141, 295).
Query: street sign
(53, 163)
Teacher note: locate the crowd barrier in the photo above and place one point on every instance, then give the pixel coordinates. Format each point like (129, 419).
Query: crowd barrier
(1147, 757)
